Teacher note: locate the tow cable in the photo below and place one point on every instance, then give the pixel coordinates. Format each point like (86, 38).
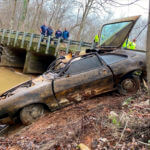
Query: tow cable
(141, 31)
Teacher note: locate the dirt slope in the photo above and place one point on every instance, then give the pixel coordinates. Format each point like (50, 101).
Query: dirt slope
(86, 122)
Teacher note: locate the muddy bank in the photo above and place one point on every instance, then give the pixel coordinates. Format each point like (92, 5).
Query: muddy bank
(87, 122)
(65, 126)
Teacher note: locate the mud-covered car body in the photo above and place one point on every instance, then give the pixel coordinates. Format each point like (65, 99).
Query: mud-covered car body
(79, 78)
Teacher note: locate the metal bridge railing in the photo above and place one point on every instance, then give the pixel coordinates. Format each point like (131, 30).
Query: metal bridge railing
(31, 37)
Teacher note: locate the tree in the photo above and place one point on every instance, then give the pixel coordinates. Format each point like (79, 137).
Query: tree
(81, 17)
(90, 7)
(23, 14)
(37, 12)
(13, 15)
(148, 52)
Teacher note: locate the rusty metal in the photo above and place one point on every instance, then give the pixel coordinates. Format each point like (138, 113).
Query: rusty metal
(71, 89)
(56, 88)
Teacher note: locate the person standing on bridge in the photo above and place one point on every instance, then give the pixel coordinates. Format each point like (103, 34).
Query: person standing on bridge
(58, 34)
(43, 30)
(65, 34)
(49, 32)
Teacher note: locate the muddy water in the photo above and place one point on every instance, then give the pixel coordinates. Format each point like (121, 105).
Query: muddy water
(10, 78)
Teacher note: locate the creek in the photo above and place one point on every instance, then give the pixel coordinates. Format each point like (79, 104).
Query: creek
(10, 77)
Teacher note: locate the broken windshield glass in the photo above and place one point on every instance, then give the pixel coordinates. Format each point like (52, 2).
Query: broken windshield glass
(56, 66)
(113, 34)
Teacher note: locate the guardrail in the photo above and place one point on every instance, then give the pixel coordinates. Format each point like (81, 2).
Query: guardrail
(30, 37)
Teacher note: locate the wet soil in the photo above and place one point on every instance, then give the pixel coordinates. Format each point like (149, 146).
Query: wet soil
(87, 122)
(68, 125)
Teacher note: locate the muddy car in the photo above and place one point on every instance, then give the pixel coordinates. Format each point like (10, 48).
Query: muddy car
(71, 79)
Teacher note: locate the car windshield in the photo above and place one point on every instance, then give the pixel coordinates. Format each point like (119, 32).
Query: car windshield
(56, 66)
(113, 34)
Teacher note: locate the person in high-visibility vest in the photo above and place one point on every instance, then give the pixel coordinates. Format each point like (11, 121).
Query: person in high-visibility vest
(96, 39)
(133, 44)
(125, 43)
(129, 45)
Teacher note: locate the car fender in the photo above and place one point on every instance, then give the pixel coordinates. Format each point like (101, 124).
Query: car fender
(41, 93)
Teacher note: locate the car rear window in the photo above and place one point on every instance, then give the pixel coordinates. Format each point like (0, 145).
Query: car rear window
(83, 65)
(111, 58)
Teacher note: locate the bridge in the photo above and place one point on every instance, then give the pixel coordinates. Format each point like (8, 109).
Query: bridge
(27, 51)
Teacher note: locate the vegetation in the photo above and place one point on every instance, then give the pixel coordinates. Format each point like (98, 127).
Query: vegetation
(81, 18)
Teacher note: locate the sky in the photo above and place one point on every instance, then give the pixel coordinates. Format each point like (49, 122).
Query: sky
(139, 8)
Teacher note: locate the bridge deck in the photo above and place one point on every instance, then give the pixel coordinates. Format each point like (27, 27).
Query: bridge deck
(27, 50)
(32, 42)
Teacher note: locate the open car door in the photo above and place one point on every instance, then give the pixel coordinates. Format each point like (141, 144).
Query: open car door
(115, 33)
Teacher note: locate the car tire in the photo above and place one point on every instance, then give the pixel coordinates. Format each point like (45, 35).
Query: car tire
(129, 85)
(31, 112)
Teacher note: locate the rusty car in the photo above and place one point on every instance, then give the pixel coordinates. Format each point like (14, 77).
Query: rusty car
(71, 79)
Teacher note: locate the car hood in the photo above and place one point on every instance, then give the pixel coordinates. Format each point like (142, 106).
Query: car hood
(16, 89)
(26, 85)
(114, 34)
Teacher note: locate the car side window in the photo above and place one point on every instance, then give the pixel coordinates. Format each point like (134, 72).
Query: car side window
(111, 58)
(83, 65)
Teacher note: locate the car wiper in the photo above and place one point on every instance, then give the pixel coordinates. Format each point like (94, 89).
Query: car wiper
(100, 51)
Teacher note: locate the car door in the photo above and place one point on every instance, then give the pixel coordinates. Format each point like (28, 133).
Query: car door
(84, 78)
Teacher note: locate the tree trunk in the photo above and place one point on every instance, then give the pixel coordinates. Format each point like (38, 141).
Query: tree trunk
(148, 52)
(37, 13)
(13, 15)
(24, 14)
(34, 18)
(84, 17)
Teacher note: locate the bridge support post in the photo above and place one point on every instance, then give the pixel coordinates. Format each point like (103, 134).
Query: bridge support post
(35, 63)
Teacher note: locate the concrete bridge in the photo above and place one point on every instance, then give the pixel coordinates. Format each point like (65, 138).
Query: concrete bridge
(27, 51)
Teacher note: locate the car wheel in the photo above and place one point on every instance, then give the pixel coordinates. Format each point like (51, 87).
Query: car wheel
(30, 113)
(129, 85)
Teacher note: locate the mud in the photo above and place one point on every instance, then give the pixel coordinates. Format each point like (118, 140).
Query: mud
(10, 77)
(87, 122)
(64, 126)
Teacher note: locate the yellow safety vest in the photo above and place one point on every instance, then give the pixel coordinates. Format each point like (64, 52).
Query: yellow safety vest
(133, 45)
(96, 39)
(129, 45)
(125, 44)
